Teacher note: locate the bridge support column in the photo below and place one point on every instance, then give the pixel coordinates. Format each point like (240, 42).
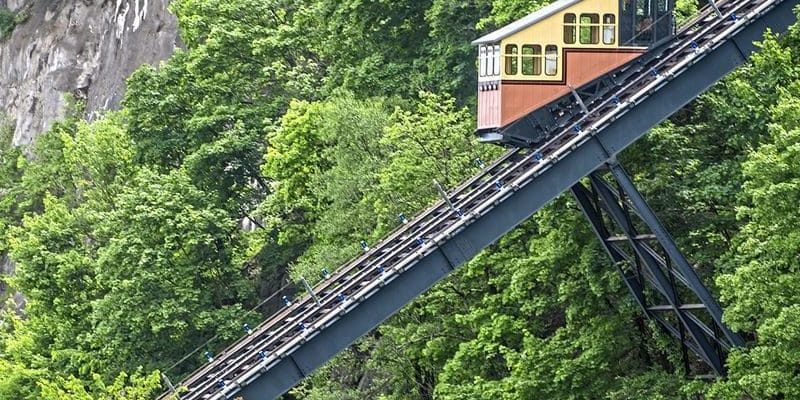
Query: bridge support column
(655, 271)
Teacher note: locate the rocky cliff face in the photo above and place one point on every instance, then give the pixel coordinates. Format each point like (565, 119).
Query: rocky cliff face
(84, 48)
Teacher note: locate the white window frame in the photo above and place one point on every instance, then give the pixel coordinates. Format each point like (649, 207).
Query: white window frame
(609, 29)
(482, 64)
(496, 60)
(550, 60)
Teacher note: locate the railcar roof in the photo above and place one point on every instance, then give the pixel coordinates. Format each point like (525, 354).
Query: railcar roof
(525, 22)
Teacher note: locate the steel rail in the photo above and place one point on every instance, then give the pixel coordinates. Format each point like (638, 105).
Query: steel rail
(407, 263)
(342, 273)
(472, 197)
(398, 252)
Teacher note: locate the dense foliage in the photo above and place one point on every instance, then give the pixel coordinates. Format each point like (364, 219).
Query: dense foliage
(314, 123)
(7, 22)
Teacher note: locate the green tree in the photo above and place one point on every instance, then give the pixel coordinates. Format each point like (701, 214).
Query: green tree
(7, 22)
(167, 273)
(100, 262)
(22, 369)
(136, 387)
(763, 291)
(507, 11)
(323, 161)
(10, 176)
(432, 142)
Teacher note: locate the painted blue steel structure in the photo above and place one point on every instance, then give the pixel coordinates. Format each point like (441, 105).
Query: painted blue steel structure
(582, 149)
(653, 261)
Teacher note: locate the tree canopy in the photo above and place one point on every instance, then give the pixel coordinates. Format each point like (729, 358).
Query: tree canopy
(287, 131)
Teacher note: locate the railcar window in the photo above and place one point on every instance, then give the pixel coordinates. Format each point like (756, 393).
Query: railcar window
(482, 59)
(609, 28)
(496, 61)
(570, 28)
(551, 60)
(511, 59)
(590, 29)
(531, 59)
(643, 7)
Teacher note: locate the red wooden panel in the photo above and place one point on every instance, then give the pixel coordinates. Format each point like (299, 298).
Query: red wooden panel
(521, 98)
(489, 108)
(582, 65)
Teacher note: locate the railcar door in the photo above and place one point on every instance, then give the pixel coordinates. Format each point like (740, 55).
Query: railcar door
(645, 22)
(643, 30)
(664, 22)
(627, 20)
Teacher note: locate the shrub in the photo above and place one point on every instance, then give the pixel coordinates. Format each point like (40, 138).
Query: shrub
(7, 22)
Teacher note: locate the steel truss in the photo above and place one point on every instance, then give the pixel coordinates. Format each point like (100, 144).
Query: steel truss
(656, 272)
(363, 293)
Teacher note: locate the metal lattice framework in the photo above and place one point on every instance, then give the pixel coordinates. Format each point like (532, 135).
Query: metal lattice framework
(647, 258)
(364, 292)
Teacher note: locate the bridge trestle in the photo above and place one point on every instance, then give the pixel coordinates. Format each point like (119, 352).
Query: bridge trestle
(659, 277)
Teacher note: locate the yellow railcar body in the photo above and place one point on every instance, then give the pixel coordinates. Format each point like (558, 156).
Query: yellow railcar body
(550, 32)
(566, 44)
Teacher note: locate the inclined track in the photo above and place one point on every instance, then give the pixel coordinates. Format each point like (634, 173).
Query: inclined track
(361, 277)
(384, 252)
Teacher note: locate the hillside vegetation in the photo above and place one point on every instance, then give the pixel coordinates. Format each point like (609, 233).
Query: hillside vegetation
(318, 122)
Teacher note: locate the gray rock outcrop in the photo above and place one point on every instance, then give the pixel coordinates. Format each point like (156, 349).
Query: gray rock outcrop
(84, 48)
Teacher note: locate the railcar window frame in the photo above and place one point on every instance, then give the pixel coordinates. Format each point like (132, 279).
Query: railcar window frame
(589, 32)
(570, 28)
(489, 60)
(496, 60)
(551, 60)
(531, 64)
(482, 61)
(512, 59)
(609, 29)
